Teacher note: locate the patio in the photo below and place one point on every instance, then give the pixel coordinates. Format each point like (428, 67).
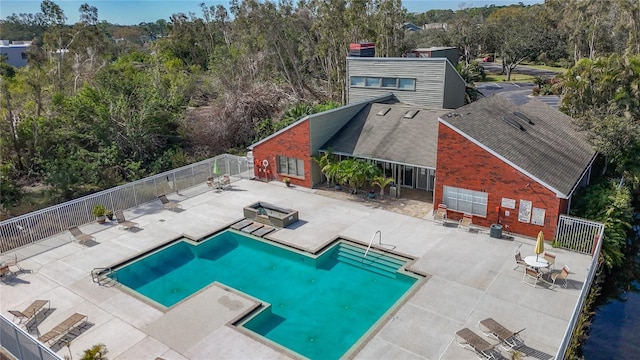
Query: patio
(471, 278)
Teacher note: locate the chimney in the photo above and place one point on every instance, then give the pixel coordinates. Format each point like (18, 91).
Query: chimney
(363, 49)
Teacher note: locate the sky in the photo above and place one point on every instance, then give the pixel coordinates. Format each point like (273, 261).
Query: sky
(126, 12)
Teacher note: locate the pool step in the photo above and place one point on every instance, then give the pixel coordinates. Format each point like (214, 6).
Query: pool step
(375, 261)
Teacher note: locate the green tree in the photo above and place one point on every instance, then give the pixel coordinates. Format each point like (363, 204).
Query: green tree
(603, 95)
(520, 38)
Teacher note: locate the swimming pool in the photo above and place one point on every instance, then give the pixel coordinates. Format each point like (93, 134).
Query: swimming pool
(320, 307)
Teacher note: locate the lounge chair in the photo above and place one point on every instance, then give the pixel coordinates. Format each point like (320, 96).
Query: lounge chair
(30, 312)
(562, 275)
(440, 214)
(122, 222)
(508, 339)
(551, 259)
(466, 222)
(65, 327)
(168, 204)
(79, 236)
(519, 261)
(531, 276)
(474, 342)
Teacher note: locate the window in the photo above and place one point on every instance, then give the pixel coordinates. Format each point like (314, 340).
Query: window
(384, 83)
(463, 200)
(357, 81)
(390, 83)
(407, 84)
(24, 55)
(372, 82)
(290, 166)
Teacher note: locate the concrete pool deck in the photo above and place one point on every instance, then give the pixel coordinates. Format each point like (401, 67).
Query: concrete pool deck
(471, 278)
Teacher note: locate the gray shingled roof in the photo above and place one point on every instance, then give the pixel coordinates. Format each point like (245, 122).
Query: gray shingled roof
(549, 148)
(390, 137)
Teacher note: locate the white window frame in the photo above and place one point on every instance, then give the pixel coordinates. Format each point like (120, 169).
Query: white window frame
(466, 201)
(290, 166)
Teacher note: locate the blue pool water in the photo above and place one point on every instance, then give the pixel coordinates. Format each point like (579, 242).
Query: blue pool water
(319, 307)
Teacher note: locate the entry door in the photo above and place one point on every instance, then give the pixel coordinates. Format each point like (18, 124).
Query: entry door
(407, 176)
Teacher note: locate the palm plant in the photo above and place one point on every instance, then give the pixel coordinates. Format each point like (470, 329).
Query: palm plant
(356, 173)
(324, 163)
(382, 181)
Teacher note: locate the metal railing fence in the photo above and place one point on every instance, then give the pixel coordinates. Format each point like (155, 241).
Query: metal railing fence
(21, 345)
(577, 234)
(35, 226)
(586, 288)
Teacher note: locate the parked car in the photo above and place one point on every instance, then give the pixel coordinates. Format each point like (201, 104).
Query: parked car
(487, 58)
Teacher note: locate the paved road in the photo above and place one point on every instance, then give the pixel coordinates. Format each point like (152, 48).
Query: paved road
(518, 92)
(496, 67)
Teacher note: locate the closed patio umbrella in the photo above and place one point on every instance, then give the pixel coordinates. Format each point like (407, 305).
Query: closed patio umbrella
(216, 170)
(539, 244)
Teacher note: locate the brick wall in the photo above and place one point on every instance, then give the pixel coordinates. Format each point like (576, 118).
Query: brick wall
(291, 143)
(463, 164)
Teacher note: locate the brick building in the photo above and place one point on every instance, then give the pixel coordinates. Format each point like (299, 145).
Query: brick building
(513, 164)
(517, 165)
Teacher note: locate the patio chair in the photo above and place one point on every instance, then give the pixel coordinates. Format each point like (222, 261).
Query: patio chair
(519, 261)
(440, 214)
(562, 275)
(79, 236)
(4, 271)
(551, 259)
(14, 262)
(531, 276)
(30, 312)
(168, 204)
(472, 341)
(508, 339)
(466, 222)
(65, 327)
(226, 181)
(124, 223)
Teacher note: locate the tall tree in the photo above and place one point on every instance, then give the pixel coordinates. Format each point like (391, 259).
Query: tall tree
(520, 39)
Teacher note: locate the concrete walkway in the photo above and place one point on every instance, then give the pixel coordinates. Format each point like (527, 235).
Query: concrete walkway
(471, 277)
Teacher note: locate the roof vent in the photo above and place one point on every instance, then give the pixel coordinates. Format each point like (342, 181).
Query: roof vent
(523, 117)
(411, 114)
(383, 112)
(513, 122)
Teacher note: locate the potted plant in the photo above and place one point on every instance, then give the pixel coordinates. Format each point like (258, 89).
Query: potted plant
(100, 212)
(372, 194)
(109, 214)
(286, 181)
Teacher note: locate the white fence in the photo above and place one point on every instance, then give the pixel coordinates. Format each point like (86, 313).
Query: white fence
(577, 234)
(35, 226)
(21, 345)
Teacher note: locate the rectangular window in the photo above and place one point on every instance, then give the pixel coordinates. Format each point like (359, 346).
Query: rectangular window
(24, 55)
(389, 83)
(372, 82)
(357, 81)
(291, 166)
(463, 200)
(407, 84)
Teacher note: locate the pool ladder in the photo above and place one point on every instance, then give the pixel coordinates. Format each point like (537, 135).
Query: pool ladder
(103, 276)
(379, 233)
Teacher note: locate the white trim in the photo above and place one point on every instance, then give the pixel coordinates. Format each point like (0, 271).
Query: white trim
(513, 165)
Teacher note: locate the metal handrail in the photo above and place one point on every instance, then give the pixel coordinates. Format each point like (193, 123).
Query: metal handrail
(370, 243)
(99, 274)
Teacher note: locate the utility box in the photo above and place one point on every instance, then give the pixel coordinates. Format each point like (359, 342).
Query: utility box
(495, 231)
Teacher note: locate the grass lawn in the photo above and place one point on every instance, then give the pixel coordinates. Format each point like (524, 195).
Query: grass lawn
(560, 70)
(515, 77)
